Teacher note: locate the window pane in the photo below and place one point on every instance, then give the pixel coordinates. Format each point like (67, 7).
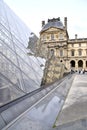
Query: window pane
(61, 52)
(80, 52)
(52, 36)
(72, 53)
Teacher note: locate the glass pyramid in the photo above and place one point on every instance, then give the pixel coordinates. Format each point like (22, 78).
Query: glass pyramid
(19, 72)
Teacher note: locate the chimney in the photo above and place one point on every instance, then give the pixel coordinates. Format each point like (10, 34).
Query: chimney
(65, 22)
(75, 36)
(43, 23)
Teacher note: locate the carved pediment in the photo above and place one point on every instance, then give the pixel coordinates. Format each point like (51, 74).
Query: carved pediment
(54, 30)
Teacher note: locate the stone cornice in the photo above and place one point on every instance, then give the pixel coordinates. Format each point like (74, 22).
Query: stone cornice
(80, 40)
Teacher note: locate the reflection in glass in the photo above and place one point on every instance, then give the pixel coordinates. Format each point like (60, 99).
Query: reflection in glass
(19, 72)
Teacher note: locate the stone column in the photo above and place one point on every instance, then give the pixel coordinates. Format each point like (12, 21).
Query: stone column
(84, 64)
(68, 65)
(76, 64)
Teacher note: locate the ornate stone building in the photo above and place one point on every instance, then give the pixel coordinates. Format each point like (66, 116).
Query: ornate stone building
(54, 40)
(62, 54)
(77, 53)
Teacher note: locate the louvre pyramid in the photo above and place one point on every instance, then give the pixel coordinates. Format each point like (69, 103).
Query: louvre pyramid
(19, 73)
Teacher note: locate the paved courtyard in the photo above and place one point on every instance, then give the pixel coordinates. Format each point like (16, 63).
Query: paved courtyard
(75, 106)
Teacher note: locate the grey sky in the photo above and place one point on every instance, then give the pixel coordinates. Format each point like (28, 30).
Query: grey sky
(32, 12)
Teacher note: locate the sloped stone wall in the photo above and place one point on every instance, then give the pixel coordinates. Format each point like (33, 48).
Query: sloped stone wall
(54, 70)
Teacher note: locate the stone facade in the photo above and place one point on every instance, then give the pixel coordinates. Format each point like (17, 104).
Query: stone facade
(77, 54)
(54, 70)
(55, 39)
(67, 53)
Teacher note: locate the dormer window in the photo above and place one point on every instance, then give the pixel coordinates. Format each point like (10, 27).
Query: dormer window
(61, 37)
(44, 37)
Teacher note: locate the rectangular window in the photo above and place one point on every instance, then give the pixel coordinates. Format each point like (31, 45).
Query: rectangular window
(80, 52)
(44, 37)
(61, 52)
(79, 44)
(52, 36)
(72, 53)
(86, 52)
(47, 37)
(72, 45)
(61, 37)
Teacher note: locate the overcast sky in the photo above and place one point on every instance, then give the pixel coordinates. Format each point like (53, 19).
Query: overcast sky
(32, 12)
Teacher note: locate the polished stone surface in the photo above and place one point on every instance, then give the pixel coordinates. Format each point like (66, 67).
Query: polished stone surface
(46, 112)
(75, 106)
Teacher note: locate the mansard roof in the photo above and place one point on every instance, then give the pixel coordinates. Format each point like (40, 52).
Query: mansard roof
(55, 22)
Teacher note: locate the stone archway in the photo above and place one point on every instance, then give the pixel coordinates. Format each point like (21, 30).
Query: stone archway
(72, 63)
(80, 64)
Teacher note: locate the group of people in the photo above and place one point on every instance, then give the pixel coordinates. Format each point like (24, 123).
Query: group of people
(81, 71)
(78, 71)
